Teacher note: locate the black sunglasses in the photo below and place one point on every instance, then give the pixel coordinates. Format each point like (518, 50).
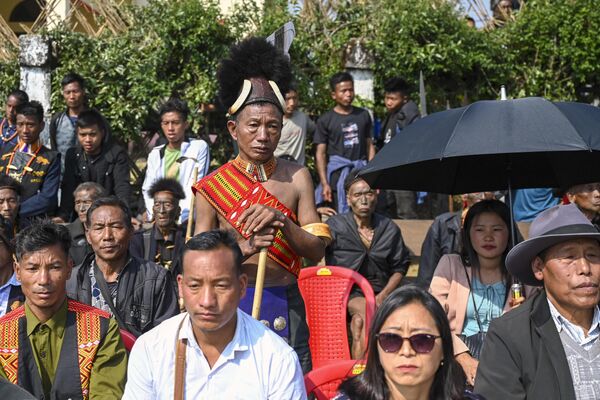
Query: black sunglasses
(421, 342)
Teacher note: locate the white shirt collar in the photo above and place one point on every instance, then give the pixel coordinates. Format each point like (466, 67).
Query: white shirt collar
(238, 343)
(576, 332)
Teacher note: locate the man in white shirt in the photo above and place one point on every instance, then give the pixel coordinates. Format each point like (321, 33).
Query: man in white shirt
(228, 355)
(549, 348)
(176, 159)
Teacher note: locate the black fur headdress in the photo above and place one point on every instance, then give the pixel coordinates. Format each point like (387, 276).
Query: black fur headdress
(257, 61)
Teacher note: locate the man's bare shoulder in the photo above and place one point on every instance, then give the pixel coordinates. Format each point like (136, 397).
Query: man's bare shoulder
(290, 170)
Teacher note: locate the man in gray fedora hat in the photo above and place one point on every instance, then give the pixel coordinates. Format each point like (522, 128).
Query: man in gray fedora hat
(548, 348)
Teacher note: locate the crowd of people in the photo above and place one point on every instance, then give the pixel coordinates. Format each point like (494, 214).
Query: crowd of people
(491, 316)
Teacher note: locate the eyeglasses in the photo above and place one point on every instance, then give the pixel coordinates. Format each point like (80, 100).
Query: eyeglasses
(421, 343)
(163, 205)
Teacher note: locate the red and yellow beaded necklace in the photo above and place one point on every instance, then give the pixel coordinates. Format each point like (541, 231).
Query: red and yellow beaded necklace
(260, 172)
(32, 150)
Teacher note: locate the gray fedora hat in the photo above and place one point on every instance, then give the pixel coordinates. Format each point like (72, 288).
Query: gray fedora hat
(552, 226)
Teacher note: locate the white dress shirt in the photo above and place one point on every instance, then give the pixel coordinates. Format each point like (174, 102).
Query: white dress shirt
(197, 153)
(256, 364)
(576, 332)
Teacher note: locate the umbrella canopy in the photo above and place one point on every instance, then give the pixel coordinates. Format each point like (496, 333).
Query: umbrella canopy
(492, 145)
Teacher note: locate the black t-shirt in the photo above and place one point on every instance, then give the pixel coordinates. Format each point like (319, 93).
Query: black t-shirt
(345, 135)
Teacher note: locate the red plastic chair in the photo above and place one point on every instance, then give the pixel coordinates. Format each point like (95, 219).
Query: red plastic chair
(128, 339)
(325, 291)
(323, 382)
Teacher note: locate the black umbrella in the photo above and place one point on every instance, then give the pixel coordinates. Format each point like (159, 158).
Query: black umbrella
(492, 145)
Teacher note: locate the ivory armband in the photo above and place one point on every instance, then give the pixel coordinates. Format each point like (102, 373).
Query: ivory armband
(319, 229)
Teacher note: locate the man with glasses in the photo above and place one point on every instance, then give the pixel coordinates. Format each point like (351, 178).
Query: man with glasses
(163, 242)
(370, 244)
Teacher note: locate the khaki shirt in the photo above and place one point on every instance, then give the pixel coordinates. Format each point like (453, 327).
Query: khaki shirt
(107, 379)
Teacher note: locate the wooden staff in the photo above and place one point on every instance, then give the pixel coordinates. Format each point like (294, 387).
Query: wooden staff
(260, 282)
(188, 234)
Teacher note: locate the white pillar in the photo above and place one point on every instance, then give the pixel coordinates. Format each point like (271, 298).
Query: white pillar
(34, 60)
(358, 64)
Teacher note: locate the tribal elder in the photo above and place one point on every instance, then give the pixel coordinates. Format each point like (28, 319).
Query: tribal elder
(267, 201)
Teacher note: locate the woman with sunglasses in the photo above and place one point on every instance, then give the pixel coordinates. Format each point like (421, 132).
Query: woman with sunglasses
(410, 353)
(474, 287)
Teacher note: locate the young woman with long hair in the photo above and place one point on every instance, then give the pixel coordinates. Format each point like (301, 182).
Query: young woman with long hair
(474, 287)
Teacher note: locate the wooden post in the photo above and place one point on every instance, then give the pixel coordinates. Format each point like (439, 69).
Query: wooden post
(260, 283)
(190, 224)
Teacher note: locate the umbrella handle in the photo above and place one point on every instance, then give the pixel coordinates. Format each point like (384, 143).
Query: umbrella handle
(260, 282)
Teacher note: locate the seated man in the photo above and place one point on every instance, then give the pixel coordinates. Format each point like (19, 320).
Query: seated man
(54, 347)
(84, 195)
(10, 201)
(95, 158)
(226, 354)
(370, 244)
(8, 124)
(548, 348)
(34, 166)
(138, 293)
(164, 241)
(587, 198)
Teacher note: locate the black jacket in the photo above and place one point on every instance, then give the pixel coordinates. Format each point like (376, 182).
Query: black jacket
(388, 253)
(110, 169)
(144, 245)
(79, 244)
(523, 356)
(145, 294)
(397, 121)
(443, 237)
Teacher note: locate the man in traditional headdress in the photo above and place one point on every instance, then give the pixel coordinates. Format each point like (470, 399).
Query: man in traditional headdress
(268, 202)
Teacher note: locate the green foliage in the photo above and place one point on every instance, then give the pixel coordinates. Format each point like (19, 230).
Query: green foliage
(550, 49)
(9, 78)
(170, 50)
(404, 37)
(553, 49)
